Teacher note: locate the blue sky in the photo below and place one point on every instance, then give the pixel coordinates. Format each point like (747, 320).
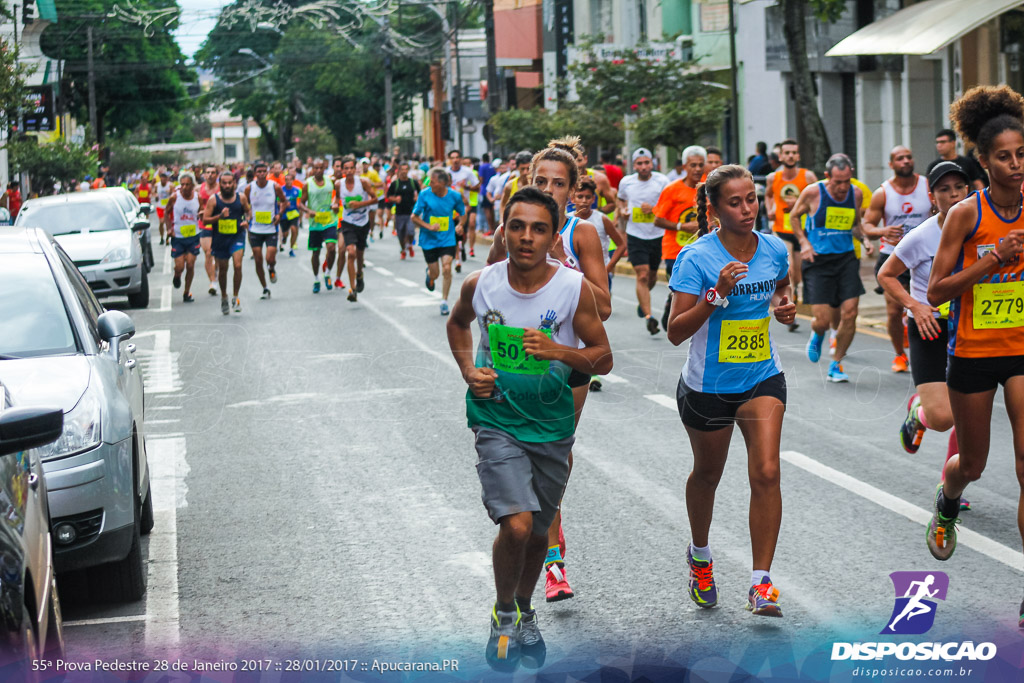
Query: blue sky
(197, 19)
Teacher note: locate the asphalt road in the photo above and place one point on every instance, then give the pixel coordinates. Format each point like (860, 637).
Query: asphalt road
(316, 495)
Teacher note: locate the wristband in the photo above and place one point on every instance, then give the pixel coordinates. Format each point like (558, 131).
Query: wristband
(715, 299)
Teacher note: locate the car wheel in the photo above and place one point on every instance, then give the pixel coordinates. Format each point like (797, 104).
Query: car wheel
(21, 668)
(147, 512)
(53, 645)
(149, 256)
(125, 580)
(140, 299)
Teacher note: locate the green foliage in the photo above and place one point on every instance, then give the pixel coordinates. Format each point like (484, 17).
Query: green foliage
(13, 92)
(123, 158)
(517, 129)
(827, 10)
(313, 141)
(48, 164)
(167, 158)
(139, 80)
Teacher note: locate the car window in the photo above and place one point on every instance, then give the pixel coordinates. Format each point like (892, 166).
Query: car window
(90, 306)
(35, 322)
(67, 218)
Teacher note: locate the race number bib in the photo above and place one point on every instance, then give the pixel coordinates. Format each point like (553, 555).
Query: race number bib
(998, 305)
(507, 352)
(323, 217)
(163, 202)
(143, 194)
(944, 310)
(442, 222)
(474, 197)
(744, 341)
(263, 217)
(227, 226)
(641, 217)
(188, 230)
(292, 214)
(348, 201)
(838, 218)
(682, 237)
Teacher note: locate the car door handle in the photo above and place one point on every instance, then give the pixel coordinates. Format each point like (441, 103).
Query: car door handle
(33, 481)
(130, 364)
(130, 348)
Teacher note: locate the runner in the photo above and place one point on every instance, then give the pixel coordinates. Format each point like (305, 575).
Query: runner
(402, 194)
(268, 204)
(676, 213)
(714, 161)
(902, 203)
(638, 193)
(315, 202)
(163, 194)
(182, 218)
(142, 190)
(725, 288)
(929, 407)
(226, 213)
(355, 196)
(493, 193)
(207, 189)
(462, 181)
(517, 177)
(979, 269)
(831, 269)
(538, 322)
(367, 172)
(473, 206)
(783, 187)
(292, 190)
(336, 175)
(436, 210)
(275, 173)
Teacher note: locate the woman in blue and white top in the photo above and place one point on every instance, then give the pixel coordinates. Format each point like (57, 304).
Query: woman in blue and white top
(724, 287)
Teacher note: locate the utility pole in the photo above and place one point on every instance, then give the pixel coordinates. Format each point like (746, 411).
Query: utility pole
(389, 105)
(457, 90)
(734, 143)
(92, 87)
(493, 96)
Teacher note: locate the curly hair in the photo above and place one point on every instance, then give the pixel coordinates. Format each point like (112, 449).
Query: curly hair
(571, 144)
(709, 191)
(561, 155)
(985, 111)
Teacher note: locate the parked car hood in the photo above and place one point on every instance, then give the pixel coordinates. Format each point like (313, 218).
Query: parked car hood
(93, 246)
(47, 380)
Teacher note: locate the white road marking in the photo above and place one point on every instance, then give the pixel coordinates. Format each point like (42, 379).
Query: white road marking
(167, 471)
(614, 379)
(407, 283)
(159, 365)
(368, 264)
(383, 271)
(414, 300)
(662, 400)
(165, 299)
(435, 294)
(410, 337)
(165, 435)
(165, 408)
(107, 620)
(161, 422)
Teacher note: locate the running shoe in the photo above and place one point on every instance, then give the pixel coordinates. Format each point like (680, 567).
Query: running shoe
(794, 326)
(814, 347)
(652, 325)
(325, 266)
(900, 363)
(429, 282)
(639, 312)
(832, 344)
(472, 253)
(266, 294)
(533, 650)
(316, 287)
(702, 582)
(238, 305)
(176, 281)
(964, 503)
(225, 306)
(412, 252)
(912, 431)
(187, 298)
(327, 282)
(458, 267)
(941, 533)
(462, 252)
(273, 277)
(556, 585)
(212, 290)
(401, 255)
(291, 253)
(338, 283)
(503, 649)
(595, 383)
(444, 308)
(371, 238)
(359, 282)
(836, 374)
(763, 600)
(351, 295)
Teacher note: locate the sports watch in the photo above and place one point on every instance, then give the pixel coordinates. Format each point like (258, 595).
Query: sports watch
(715, 299)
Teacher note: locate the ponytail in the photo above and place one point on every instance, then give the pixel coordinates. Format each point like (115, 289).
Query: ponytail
(702, 210)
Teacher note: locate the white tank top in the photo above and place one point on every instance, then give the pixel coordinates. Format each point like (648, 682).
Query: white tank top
(552, 307)
(163, 193)
(910, 210)
(356, 194)
(185, 215)
(572, 259)
(264, 206)
(596, 219)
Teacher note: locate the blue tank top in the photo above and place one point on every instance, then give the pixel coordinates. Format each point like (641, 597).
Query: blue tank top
(232, 227)
(830, 229)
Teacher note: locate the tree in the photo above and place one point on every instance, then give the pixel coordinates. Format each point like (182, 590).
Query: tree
(516, 129)
(313, 141)
(814, 147)
(125, 159)
(51, 163)
(139, 79)
(13, 92)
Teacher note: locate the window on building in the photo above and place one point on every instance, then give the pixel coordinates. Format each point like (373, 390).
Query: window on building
(641, 12)
(230, 151)
(601, 19)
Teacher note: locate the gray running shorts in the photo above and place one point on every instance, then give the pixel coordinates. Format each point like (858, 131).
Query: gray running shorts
(404, 227)
(516, 476)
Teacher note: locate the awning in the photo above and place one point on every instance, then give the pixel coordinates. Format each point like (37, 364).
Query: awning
(922, 28)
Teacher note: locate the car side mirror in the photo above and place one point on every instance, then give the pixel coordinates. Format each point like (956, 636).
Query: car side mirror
(25, 428)
(146, 208)
(140, 226)
(114, 326)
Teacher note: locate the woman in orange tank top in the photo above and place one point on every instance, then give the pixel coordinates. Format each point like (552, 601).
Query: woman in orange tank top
(979, 270)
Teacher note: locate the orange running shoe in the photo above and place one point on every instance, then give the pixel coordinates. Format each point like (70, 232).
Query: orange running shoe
(900, 363)
(556, 586)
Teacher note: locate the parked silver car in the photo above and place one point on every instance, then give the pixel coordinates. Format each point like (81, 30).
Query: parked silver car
(59, 347)
(96, 234)
(135, 212)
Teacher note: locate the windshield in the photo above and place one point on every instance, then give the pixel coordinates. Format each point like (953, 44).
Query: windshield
(35, 321)
(66, 218)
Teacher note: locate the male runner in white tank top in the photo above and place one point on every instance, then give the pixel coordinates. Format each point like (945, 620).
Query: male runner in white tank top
(267, 202)
(897, 207)
(182, 221)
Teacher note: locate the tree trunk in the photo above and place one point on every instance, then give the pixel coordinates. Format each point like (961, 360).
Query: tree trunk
(269, 137)
(814, 147)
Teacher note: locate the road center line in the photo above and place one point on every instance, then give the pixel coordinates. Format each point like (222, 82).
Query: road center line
(167, 472)
(663, 400)
(383, 271)
(614, 379)
(107, 620)
(410, 337)
(407, 283)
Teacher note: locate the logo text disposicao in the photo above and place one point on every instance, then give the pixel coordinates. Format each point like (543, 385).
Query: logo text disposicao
(949, 652)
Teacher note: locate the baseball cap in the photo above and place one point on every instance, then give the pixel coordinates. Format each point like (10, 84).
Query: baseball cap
(364, 160)
(944, 168)
(642, 152)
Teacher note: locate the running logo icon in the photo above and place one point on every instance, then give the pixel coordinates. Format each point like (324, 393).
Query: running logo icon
(916, 595)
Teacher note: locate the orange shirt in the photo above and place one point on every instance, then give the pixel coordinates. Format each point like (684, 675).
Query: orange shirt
(987, 321)
(677, 203)
(98, 183)
(785, 193)
(279, 179)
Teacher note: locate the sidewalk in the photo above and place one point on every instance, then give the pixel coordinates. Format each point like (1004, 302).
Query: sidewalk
(872, 306)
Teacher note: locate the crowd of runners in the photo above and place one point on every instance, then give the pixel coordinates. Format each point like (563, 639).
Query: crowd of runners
(734, 253)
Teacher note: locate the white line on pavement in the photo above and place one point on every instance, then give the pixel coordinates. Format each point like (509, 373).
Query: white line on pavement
(368, 264)
(383, 271)
(614, 379)
(107, 620)
(412, 338)
(435, 294)
(167, 472)
(162, 422)
(166, 435)
(407, 283)
(165, 408)
(159, 365)
(165, 299)
(662, 400)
